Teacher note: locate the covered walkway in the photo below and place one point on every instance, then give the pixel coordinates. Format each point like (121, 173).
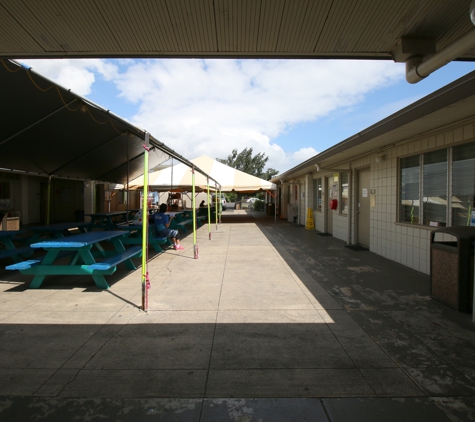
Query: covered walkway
(271, 323)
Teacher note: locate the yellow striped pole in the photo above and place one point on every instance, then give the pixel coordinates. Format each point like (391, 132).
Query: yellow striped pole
(193, 206)
(216, 205)
(209, 213)
(145, 277)
(48, 205)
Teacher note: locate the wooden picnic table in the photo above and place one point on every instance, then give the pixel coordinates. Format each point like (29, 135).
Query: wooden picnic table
(107, 220)
(81, 257)
(57, 230)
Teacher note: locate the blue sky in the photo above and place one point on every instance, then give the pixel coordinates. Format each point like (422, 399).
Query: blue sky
(288, 109)
(377, 105)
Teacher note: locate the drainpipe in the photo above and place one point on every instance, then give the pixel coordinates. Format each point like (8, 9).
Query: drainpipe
(418, 68)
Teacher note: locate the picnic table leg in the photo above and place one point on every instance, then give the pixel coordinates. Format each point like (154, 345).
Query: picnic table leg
(119, 247)
(48, 260)
(100, 249)
(9, 245)
(88, 259)
(157, 247)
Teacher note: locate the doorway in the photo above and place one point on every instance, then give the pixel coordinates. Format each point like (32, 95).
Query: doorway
(328, 198)
(363, 208)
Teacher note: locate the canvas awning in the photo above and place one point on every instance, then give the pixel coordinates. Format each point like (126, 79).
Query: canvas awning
(48, 130)
(179, 177)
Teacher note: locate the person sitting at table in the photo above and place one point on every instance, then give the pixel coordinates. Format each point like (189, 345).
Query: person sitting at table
(202, 203)
(162, 222)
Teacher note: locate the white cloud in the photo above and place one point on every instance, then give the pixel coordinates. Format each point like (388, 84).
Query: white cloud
(211, 107)
(214, 106)
(76, 75)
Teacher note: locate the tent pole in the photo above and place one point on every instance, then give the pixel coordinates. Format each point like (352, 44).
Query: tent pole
(220, 205)
(216, 206)
(193, 206)
(128, 181)
(209, 211)
(48, 205)
(145, 276)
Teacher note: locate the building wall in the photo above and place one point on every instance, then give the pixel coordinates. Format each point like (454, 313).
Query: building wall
(404, 243)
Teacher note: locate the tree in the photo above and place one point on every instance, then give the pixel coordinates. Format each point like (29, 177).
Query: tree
(245, 162)
(269, 173)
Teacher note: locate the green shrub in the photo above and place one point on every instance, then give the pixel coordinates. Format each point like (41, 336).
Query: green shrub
(258, 205)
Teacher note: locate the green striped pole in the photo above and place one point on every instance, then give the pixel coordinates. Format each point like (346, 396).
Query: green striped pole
(216, 206)
(145, 277)
(209, 213)
(193, 206)
(48, 205)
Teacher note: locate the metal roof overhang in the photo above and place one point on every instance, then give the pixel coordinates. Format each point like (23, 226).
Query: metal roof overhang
(48, 130)
(230, 28)
(452, 103)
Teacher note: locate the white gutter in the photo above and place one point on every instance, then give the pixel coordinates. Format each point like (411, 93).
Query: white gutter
(418, 68)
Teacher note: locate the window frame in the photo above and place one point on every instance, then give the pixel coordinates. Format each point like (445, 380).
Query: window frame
(449, 187)
(340, 193)
(318, 194)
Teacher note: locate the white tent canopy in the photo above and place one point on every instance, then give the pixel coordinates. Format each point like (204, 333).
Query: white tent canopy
(180, 177)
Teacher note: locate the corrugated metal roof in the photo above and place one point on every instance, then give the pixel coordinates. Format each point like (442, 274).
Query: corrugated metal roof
(225, 28)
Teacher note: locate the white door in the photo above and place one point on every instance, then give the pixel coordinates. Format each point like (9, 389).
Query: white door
(328, 198)
(363, 208)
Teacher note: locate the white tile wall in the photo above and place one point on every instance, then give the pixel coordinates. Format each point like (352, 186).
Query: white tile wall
(408, 245)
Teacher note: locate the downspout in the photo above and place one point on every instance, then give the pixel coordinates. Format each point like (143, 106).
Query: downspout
(418, 68)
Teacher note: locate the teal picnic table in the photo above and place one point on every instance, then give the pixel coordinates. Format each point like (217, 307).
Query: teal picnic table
(58, 230)
(82, 258)
(135, 237)
(107, 220)
(8, 248)
(177, 218)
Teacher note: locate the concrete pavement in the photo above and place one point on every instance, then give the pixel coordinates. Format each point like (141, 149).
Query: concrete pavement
(273, 322)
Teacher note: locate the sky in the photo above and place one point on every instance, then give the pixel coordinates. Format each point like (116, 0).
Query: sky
(290, 110)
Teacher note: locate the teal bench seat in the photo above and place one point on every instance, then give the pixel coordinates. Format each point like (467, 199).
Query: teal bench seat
(16, 253)
(25, 265)
(182, 224)
(107, 264)
(135, 237)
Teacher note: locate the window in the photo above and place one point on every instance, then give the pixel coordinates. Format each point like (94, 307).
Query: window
(409, 190)
(317, 194)
(463, 184)
(434, 196)
(344, 193)
(437, 188)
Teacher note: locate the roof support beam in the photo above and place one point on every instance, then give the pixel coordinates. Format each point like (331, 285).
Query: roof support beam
(87, 153)
(37, 122)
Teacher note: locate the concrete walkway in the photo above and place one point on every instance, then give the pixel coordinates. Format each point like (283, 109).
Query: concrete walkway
(272, 323)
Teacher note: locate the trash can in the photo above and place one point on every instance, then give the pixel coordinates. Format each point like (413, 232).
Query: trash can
(237, 205)
(270, 208)
(451, 267)
(292, 212)
(9, 220)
